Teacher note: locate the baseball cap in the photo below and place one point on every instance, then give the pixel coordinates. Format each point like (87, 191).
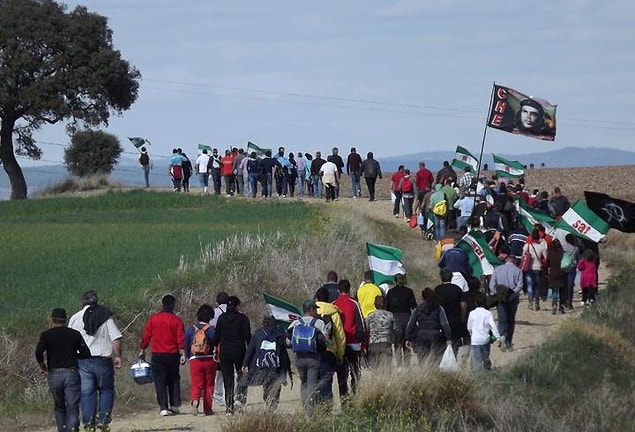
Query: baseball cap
(308, 305)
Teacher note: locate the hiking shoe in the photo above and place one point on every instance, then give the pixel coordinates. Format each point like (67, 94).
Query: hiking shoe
(166, 413)
(175, 410)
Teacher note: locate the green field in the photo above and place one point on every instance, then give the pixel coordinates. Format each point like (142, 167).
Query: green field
(117, 243)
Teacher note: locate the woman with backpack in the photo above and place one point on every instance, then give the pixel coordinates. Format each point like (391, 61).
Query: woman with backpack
(199, 339)
(233, 334)
(267, 361)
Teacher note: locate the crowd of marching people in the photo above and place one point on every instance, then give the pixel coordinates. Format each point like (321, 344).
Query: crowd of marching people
(251, 174)
(342, 329)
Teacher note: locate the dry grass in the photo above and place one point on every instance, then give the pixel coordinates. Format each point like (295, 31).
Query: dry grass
(74, 185)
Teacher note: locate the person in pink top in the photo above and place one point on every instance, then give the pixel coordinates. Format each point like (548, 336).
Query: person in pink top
(588, 277)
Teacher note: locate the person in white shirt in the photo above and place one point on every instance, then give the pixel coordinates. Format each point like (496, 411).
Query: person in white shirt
(481, 325)
(97, 373)
(201, 170)
(330, 178)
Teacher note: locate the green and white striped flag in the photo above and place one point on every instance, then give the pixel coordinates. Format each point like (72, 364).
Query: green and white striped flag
(581, 221)
(384, 262)
(463, 158)
(283, 311)
(482, 259)
(138, 142)
(205, 147)
(529, 217)
(251, 147)
(508, 168)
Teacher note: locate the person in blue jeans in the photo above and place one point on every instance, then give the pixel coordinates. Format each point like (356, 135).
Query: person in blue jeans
(96, 325)
(63, 347)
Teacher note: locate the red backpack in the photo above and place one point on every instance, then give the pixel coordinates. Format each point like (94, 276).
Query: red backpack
(406, 186)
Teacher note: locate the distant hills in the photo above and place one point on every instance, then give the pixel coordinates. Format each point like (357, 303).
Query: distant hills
(567, 157)
(129, 172)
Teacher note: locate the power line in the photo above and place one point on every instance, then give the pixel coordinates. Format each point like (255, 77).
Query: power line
(586, 123)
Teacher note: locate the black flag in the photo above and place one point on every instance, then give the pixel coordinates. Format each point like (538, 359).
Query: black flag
(619, 214)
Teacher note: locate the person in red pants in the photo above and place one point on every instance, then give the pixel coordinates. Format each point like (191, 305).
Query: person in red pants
(199, 339)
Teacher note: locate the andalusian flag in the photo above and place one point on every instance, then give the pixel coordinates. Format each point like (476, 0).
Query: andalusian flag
(384, 262)
(463, 158)
(204, 147)
(251, 147)
(529, 217)
(283, 311)
(508, 168)
(138, 142)
(482, 259)
(581, 221)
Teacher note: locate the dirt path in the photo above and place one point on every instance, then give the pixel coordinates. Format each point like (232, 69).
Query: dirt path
(532, 329)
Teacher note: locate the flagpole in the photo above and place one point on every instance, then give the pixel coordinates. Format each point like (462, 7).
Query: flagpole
(489, 110)
(480, 156)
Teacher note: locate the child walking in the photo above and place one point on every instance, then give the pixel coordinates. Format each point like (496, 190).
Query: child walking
(588, 277)
(480, 323)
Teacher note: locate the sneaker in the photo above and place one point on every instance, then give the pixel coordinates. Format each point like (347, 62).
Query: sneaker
(166, 413)
(397, 216)
(175, 410)
(194, 409)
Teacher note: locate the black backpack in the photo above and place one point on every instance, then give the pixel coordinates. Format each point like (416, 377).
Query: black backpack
(144, 159)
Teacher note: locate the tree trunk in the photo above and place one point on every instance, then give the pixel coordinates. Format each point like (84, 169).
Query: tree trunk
(9, 162)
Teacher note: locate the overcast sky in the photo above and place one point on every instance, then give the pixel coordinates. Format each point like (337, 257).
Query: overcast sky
(394, 77)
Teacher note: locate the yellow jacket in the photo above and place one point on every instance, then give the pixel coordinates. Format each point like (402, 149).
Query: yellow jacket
(366, 297)
(338, 339)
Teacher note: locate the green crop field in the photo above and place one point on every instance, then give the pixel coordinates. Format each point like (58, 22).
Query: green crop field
(117, 243)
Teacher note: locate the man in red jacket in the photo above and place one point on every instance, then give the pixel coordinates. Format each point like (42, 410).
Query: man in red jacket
(356, 339)
(423, 182)
(165, 330)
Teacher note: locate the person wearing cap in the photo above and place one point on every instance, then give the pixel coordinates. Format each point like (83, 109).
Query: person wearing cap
(233, 334)
(271, 377)
(336, 346)
(63, 347)
(96, 325)
(165, 331)
(510, 276)
(308, 363)
(214, 167)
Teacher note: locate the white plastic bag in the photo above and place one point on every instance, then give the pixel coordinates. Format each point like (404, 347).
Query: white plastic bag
(448, 362)
(393, 197)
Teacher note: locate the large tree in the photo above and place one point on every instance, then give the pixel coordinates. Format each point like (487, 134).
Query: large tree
(92, 152)
(54, 66)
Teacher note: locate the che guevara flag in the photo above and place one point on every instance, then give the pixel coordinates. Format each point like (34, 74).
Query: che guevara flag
(619, 214)
(515, 112)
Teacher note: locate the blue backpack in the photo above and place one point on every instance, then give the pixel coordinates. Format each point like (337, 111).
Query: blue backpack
(304, 337)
